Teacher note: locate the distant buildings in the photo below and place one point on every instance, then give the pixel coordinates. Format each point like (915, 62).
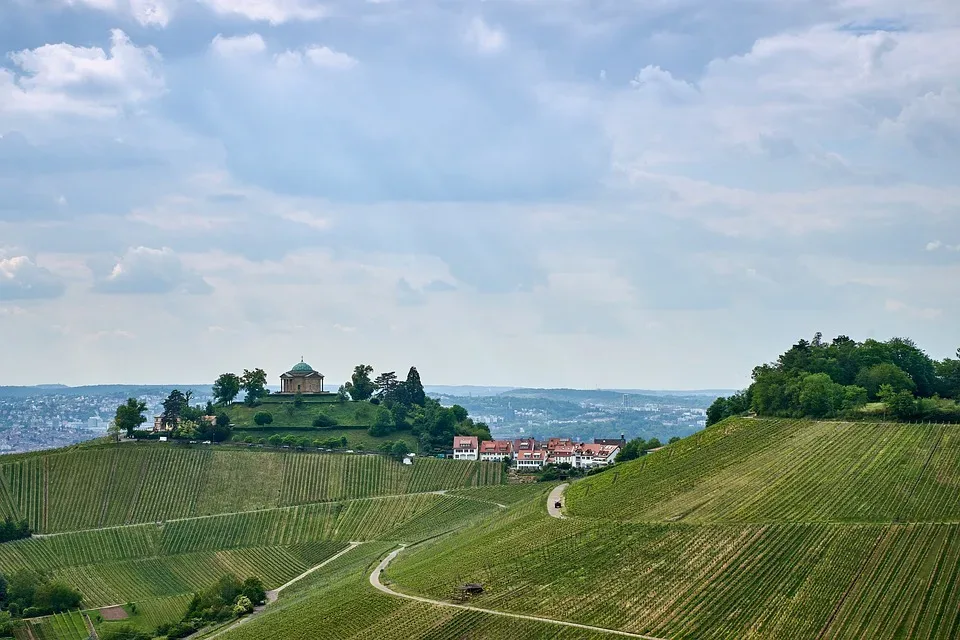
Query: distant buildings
(528, 454)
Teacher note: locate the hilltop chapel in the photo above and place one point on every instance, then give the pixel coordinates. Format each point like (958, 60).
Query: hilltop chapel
(302, 378)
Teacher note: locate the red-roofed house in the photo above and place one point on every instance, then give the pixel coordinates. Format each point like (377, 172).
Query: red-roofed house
(465, 448)
(587, 456)
(530, 459)
(525, 444)
(561, 455)
(496, 450)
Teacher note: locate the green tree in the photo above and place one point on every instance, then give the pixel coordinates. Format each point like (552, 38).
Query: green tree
(130, 416)
(631, 451)
(342, 394)
(253, 589)
(243, 606)
(360, 386)
(948, 377)
(173, 408)
(399, 449)
(413, 388)
(56, 597)
(275, 440)
(263, 418)
(386, 385)
(854, 398)
(298, 400)
(383, 424)
(121, 631)
(254, 383)
(674, 439)
(885, 373)
(226, 388)
(6, 624)
(114, 431)
(820, 396)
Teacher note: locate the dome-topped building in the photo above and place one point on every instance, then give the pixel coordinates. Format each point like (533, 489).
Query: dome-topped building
(302, 378)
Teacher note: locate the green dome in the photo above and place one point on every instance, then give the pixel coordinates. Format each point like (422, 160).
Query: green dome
(301, 367)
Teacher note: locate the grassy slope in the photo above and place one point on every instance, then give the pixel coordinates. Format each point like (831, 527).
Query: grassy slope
(753, 528)
(135, 483)
(358, 439)
(285, 414)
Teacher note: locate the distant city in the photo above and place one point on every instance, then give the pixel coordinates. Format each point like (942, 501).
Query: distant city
(46, 417)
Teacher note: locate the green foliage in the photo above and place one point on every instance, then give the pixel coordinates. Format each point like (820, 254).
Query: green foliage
(130, 416)
(324, 421)
(11, 529)
(821, 380)
(34, 594)
(399, 449)
(173, 408)
(384, 423)
(255, 384)
(275, 440)
(263, 418)
(360, 387)
(122, 631)
(226, 388)
(342, 394)
(298, 400)
(6, 624)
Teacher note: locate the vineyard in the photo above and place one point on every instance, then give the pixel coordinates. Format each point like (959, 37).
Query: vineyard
(96, 488)
(750, 529)
(746, 470)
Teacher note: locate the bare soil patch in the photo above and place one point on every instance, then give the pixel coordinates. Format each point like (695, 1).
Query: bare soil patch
(114, 613)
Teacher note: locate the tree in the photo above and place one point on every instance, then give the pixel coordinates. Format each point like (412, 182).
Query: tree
(384, 423)
(298, 400)
(399, 449)
(226, 388)
(901, 404)
(342, 394)
(413, 388)
(275, 440)
(173, 408)
(386, 384)
(631, 451)
(114, 431)
(130, 416)
(254, 383)
(243, 606)
(121, 631)
(948, 377)
(820, 396)
(674, 439)
(263, 418)
(360, 386)
(56, 597)
(885, 373)
(6, 624)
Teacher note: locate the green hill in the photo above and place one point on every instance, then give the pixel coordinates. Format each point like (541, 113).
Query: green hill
(753, 528)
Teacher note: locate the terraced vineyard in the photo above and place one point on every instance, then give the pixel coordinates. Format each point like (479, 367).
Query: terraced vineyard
(95, 488)
(787, 471)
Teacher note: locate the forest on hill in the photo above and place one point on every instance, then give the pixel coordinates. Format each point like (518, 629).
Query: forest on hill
(849, 379)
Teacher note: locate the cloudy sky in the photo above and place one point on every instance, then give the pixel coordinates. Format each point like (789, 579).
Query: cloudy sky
(616, 193)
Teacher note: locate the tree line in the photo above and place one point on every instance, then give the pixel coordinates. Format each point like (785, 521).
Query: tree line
(820, 379)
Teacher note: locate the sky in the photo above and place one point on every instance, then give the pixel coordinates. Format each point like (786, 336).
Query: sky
(584, 193)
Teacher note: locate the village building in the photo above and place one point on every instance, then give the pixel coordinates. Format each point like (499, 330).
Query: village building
(302, 379)
(561, 455)
(496, 450)
(530, 460)
(465, 448)
(588, 456)
(524, 444)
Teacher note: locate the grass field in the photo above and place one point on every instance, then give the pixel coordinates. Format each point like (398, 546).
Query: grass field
(136, 483)
(285, 414)
(357, 438)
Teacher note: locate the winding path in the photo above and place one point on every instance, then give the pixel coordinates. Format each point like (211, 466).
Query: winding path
(556, 496)
(377, 584)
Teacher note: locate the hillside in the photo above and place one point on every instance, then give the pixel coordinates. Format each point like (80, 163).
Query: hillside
(753, 528)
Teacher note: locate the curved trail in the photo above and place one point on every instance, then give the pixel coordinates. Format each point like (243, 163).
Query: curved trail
(377, 584)
(557, 496)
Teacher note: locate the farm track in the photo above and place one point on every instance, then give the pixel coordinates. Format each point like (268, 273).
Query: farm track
(377, 584)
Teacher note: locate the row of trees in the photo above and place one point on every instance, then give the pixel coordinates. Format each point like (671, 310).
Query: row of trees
(822, 380)
(11, 529)
(229, 385)
(27, 593)
(182, 420)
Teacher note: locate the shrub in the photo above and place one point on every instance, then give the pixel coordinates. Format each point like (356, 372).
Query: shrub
(243, 606)
(323, 421)
(263, 418)
(275, 440)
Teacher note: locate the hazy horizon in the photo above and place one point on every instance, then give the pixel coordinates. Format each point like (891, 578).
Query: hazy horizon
(574, 194)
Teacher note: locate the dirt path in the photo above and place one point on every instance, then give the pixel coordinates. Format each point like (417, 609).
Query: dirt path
(377, 584)
(273, 594)
(556, 496)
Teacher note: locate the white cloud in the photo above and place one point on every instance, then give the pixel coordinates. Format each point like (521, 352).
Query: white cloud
(328, 58)
(272, 11)
(145, 12)
(922, 313)
(316, 55)
(485, 38)
(936, 245)
(237, 46)
(62, 78)
(21, 279)
(146, 270)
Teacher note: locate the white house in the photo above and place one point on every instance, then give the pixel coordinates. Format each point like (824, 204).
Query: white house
(465, 448)
(496, 450)
(526, 460)
(587, 456)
